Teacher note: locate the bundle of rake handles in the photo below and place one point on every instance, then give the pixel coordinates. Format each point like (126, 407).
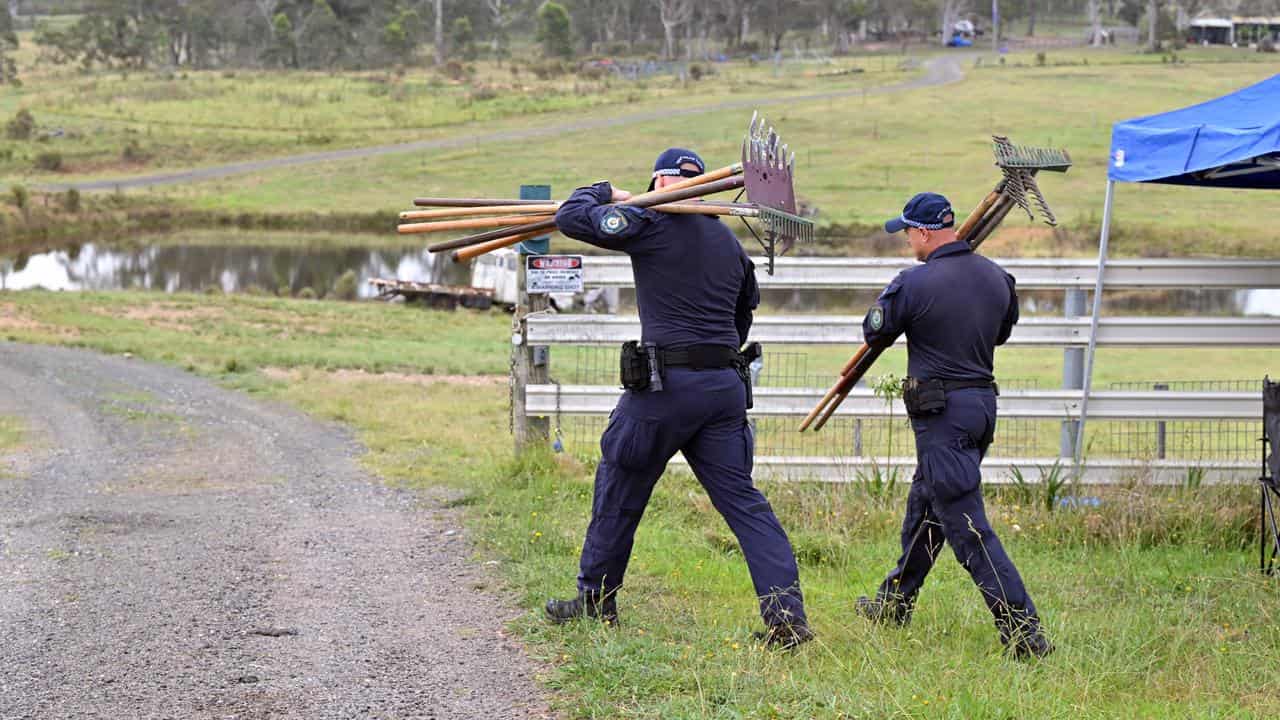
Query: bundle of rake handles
(519, 220)
(978, 227)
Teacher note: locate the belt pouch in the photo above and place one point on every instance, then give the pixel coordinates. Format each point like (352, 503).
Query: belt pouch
(635, 373)
(923, 397)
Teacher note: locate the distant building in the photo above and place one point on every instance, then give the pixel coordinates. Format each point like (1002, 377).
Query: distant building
(1233, 31)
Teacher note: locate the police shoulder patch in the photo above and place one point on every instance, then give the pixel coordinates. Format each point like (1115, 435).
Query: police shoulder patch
(613, 222)
(875, 317)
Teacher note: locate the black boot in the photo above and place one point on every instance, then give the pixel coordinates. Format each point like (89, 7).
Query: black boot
(585, 605)
(884, 610)
(785, 636)
(1031, 647)
(1024, 639)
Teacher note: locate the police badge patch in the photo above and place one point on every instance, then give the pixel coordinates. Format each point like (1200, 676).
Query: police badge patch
(875, 317)
(613, 222)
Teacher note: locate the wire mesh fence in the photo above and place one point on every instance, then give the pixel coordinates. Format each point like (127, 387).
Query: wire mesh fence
(1204, 440)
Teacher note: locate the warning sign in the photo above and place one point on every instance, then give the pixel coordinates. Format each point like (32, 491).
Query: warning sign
(553, 274)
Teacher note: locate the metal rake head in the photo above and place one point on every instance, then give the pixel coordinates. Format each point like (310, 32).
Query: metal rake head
(1020, 164)
(768, 171)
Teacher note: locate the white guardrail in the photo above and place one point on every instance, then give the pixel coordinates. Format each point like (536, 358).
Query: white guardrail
(1064, 405)
(847, 330)
(1031, 273)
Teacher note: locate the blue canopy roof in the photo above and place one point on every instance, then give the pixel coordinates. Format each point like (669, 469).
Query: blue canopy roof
(1231, 141)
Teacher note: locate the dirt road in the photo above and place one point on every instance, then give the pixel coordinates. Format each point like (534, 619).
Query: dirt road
(172, 549)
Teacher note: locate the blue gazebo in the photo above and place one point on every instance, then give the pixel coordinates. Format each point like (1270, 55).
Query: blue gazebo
(1229, 142)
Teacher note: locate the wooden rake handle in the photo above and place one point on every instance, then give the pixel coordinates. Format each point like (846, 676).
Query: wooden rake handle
(675, 193)
(737, 209)
(449, 213)
(977, 227)
(474, 251)
(449, 225)
(835, 389)
(848, 382)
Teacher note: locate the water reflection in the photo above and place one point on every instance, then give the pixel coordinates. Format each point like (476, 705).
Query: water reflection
(238, 268)
(273, 269)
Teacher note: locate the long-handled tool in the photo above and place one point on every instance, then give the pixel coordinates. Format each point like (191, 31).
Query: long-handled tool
(1018, 166)
(766, 172)
(667, 195)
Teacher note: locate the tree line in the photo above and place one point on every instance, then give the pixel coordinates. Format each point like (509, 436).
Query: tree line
(322, 34)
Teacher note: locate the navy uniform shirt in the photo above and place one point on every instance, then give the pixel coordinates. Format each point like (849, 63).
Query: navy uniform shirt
(955, 308)
(694, 283)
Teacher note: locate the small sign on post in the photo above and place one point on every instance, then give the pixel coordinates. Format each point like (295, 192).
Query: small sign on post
(529, 365)
(546, 274)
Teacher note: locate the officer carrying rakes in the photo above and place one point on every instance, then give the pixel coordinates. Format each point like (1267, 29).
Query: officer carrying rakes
(687, 389)
(955, 308)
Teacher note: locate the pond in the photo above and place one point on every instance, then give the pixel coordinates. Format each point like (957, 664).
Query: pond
(230, 268)
(241, 266)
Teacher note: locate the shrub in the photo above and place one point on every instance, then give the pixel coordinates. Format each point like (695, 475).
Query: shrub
(482, 93)
(51, 161)
(1041, 59)
(696, 71)
(307, 293)
(21, 197)
(346, 286)
(133, 153)
(22, 126)
(71, 201)
(455, 70)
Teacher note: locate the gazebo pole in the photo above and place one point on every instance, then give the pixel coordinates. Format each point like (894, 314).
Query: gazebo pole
(1093, 323)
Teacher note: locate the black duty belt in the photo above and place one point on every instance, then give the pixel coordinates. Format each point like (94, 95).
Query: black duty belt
(949, 385)
(701, 357)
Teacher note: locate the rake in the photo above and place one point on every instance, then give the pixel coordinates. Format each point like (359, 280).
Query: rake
(1017, 188)
(765, 173)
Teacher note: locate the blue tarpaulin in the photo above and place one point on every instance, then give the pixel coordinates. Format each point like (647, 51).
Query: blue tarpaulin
(1231, 141)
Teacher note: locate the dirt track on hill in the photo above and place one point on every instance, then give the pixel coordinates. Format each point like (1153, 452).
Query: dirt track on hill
(938, 71)
(172, 549)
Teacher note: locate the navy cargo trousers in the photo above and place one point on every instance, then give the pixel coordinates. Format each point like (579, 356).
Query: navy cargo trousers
(945, 504)
(701, 413)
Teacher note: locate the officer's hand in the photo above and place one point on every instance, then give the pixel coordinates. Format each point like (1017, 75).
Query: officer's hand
(621, 195)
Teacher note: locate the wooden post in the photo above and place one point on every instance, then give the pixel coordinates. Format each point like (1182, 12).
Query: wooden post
(529, 365)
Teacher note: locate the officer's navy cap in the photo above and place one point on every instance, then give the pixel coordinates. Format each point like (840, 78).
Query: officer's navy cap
(671, 159)
(927, 211)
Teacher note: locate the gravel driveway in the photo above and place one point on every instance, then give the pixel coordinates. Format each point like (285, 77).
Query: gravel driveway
(172, 549)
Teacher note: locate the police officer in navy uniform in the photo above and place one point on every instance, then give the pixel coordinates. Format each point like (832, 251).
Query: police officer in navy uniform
(696, 290)
(954, 309)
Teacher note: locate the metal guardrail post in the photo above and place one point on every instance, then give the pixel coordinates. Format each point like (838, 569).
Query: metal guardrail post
(1073, 305)
(1160, 427)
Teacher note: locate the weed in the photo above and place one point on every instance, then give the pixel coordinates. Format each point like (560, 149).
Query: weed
(49, 161)
(22, 126)
(1053, 479)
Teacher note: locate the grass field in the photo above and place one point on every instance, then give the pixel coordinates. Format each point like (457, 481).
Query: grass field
(858, 159)
(858, 156)
(201, 117)
(1151, 596)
